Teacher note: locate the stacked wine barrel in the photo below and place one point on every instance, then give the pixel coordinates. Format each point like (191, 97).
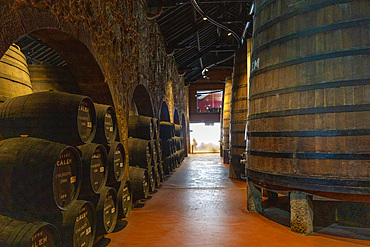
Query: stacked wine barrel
(63, 178)
(143, 148)
(173, 151)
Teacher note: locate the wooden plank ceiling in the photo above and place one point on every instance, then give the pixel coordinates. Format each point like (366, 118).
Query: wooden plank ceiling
(197, 43)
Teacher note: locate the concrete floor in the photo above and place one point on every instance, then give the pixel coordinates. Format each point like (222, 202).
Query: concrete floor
(198, 205)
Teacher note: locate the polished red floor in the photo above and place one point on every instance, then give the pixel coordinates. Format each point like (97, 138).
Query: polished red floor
(198, 205)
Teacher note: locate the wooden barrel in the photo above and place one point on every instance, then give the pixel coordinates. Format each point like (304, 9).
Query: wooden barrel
(19, 233)
(106, 129)
(181, 155)
(158, 147)
(161, 171)
(226, 120)
(239, 109)
(183, 144)
(309, 119)
(45, 77)
(174, 161)
(37, 176)
(116, 162)
(140, 183)
(167, 147)
(106, 210)
(178, 130)
(155, 128)
(166, 130)
(174, 145)
(153, 145)
(77, 225)
(173, 130)
(124, 197)
(167, 165)
(177, 142)
(140, 127)
(14, 75)
(139, 152)
(94, 169)
(152, 178)
(157, 176)
(221, 130)
(178, 155)
(54, 116)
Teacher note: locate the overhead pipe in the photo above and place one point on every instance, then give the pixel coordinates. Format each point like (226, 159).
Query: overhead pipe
(242, 39)
(204, 71)
(248, 23)
(206, 17)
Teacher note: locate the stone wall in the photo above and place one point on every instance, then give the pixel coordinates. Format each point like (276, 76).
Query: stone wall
(110, 47)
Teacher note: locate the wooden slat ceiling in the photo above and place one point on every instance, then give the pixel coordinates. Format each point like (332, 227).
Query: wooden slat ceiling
(197, 43)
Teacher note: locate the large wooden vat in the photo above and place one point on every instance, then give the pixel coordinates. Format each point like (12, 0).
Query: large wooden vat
(14, 74)
(309, 121)
(226, 120)
(239, 109)
(49, 77)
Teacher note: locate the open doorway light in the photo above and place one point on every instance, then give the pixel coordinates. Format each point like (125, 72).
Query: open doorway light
(206, 136)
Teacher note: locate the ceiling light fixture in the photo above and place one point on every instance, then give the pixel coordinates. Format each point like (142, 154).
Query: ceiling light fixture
(205, 18)
(202, 13)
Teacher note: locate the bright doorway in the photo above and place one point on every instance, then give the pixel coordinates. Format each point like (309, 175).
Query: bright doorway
(207, 137)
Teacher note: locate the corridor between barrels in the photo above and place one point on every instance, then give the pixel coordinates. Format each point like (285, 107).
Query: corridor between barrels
(199, 205)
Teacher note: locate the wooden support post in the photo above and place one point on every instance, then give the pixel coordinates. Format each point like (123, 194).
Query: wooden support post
(254, 198)
(301, 213)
